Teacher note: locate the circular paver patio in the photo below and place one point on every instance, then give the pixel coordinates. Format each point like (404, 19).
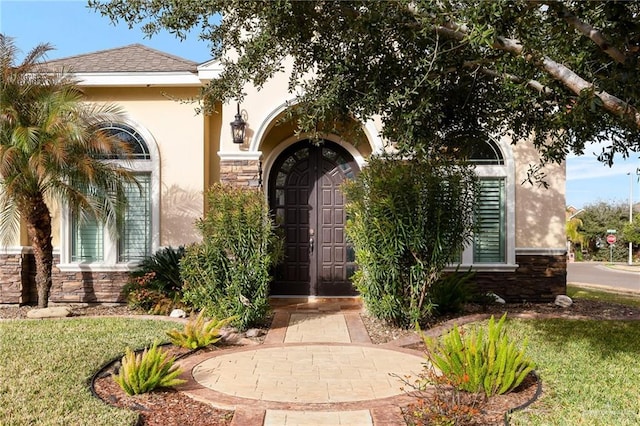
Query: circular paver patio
(309, 373)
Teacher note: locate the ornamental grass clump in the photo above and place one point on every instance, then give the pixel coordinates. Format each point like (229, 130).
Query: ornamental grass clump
(198, 333)
(480, 361)
(146, 371)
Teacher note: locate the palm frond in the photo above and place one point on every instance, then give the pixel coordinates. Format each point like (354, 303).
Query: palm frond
(50, 145)
(9, 219)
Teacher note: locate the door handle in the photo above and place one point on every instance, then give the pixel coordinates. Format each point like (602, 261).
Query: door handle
(311, 245)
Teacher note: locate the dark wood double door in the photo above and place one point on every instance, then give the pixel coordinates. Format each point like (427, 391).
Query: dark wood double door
(305, 197)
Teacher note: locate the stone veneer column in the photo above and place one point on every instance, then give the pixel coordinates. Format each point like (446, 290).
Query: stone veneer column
(17, 270)
(240, 172)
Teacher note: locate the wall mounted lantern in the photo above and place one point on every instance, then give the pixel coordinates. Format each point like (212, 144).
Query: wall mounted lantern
(238, 127)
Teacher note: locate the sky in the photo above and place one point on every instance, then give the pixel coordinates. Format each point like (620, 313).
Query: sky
(74, 29)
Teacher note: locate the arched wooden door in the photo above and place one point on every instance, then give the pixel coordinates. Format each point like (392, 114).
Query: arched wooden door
(308, 205)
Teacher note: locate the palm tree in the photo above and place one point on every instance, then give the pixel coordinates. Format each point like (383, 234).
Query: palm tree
(51, 150)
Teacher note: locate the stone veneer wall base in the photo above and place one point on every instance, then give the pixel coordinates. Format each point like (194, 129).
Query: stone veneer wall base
(539, 278)
(16, 278)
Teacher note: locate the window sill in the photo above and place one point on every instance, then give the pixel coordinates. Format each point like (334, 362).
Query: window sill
(484, 267)
(96, 267)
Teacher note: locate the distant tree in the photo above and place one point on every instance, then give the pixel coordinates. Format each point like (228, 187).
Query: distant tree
(599, 217)
(50, 151)
(631, 230)
(561, 73)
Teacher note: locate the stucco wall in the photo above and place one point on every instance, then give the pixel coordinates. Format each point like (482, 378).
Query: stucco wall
(178, 134)
(540, 212)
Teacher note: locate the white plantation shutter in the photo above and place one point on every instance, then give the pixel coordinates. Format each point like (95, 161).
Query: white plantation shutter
(87, 243)
(489, 237)
(135, 229)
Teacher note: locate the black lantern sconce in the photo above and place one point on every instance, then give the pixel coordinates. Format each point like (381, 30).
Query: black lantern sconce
(238, 127)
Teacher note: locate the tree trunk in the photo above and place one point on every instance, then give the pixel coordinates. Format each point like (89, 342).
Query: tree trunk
(38, 220)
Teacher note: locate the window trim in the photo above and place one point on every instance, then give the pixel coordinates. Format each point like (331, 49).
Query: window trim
(110, 259)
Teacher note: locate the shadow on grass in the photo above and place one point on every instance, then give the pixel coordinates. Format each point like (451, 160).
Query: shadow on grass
(603, 336)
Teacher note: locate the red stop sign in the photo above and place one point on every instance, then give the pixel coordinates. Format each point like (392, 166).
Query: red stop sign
(611, 239)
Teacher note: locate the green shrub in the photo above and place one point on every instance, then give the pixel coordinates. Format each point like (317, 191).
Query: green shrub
(228, 274)
(451, 292)
(146, 371)
(476, 361)
(198, 333)
(156, 286)
(166, 265)
(407, 219)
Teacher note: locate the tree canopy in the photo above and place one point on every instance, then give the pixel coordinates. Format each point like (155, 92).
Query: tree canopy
(597, 218)
(561, 73)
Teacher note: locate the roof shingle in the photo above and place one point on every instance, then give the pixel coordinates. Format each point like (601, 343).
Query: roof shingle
(130, 58)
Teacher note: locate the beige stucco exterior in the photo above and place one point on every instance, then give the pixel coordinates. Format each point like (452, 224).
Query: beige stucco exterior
(192, 145)
(540, 211)
(182, 139)
(191, 151)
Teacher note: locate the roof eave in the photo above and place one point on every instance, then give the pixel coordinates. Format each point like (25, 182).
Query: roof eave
(137, 79)
(210, 70)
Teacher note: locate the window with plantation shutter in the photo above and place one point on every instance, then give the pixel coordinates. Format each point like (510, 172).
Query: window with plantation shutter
(135, 233)
(87, 244)
(493, 241)
(489, 236)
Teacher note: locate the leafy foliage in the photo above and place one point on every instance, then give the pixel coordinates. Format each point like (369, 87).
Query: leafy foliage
(146, 371)
(228, 274)
(407, 218)
(165, 264)
(156, 286)
(451, 292)
(476, 361)
(596, 219)
(631, 230)
(199, 333)
(560, 74)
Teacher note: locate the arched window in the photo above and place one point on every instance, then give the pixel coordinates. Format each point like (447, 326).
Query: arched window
(138, 147)
(88, 240)
(489, 238)
(494, 236)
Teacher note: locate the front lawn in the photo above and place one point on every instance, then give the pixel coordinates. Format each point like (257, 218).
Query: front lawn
(590, 371)
(45, 367)
(576, 292)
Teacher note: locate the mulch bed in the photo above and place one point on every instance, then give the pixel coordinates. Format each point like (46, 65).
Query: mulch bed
(162, 407)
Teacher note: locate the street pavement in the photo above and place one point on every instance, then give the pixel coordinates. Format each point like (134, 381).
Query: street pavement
(617, 276)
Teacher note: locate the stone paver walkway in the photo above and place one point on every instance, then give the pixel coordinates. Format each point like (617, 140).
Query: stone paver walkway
(314, 368)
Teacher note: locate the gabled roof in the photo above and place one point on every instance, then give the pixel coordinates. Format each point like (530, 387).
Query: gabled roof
(127, 59)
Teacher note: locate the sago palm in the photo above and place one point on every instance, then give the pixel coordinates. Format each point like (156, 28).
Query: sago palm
(52, 151)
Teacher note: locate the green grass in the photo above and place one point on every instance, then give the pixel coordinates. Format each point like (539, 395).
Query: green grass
(576, 292)
(590, 372)
(45, 368)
